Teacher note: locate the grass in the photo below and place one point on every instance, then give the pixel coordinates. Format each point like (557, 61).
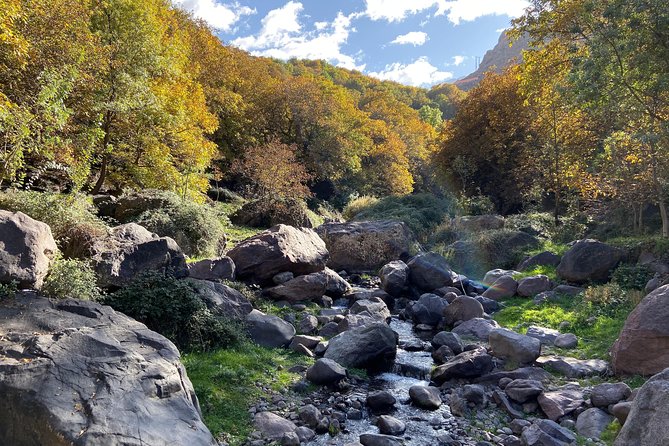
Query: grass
(547, 270)
(229, 381)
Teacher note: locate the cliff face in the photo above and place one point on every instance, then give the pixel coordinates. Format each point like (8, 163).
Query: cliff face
(498, 58)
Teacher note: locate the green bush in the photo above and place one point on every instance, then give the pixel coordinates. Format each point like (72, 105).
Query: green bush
(172, 308)
(542, 224)
(632, 277)
(475, 205)
(71, 278)
(8, 290)
(265, 213)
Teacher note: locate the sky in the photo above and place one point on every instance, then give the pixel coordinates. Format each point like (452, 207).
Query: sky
(414, 42)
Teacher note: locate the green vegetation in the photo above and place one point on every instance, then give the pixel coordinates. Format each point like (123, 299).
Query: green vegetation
(547, 270)
(71, 278)
(229, 381)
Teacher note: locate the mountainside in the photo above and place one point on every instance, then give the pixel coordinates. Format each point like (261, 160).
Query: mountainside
(498, 58)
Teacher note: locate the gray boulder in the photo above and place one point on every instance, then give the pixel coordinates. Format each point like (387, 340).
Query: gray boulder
(592, 422)
(222, 268)
(279, 249)
(603, 395)
(566, 340)
(373, 306)
(463, 308)
(26, 250)
(448, 339)
(531, 286)
(272, 426)
(336, 286)
(222, 299)
(425, 397)
(380, 401)
(326, 371)
(544, 258)
(429, 309)
(430, 271)
(492, 275)
(394, 277)
(390, 425)
(79, 373)
(523, 390)
(477, 328)
(547, 433)
(380, 440)
(546, 336)
(588, 260)
(561, 402)
(268, 330)
(502, 288)
(573, 367)
(302, 288)
(515, 347)
(370, 346)
(469, 364)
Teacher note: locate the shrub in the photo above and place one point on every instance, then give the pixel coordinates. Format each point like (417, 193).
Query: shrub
(8, 290)
(632, 277)
(71, 278)
(475, 205)
(265, 213)
(357, 205)
(172, 308)
(542, 224)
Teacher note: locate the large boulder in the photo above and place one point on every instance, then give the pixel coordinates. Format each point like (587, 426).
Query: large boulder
(573, 367)
(429, 309)
(588, 260)
(514, 347)
(222, 268)
(425, 397)
(394, 277)
(130, 250)
(561, 402)
(463, 308)
(494, 274)
(336, 286)
(469, 364)
(269, 330)
(79, 373)
(477, 328)
(547, 433)
(26, 250)
(643, 345)
(606, 394)
(592, 422)
(502, 288)
(278, 249)
(326, 371)
(531, 286)
(430, 271)
(374, 307)
(477, 223)
(221, 299)
(646, 424)
(370, 346)
(301, 288)
(272, 426)
(366, 245)
(545, 258)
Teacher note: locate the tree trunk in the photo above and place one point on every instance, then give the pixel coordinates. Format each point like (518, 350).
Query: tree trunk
(664, 213)
(557, 207)
(101, 176)
(641, 206)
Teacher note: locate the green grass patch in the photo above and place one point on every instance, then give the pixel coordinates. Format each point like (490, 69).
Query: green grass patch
(229, 381)
(547, 270)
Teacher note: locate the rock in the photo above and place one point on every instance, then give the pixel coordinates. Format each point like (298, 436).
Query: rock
(336, 286)
(477, 223)
(449, 339)
(429, 309)
(380, 402)
(621, 411)
(79, 373)
(546, 336)
(561, 402)
(603, 395)
(572, 367)
(425, 397)
(442, 354)
(430, 271)
(380, 440)
(370, 346)
(281, 278)
(535, 373)
(222, 268)
(475, 394)
(544, 258)
(568, 290)
(501, 400)
(489, 306)
(305, 434)
(647, 424)
(308, 324)
(592, 422)
(643, 345)
(365, 246)
(272, 426)
(268, 330)
(588, 260)
(523, 390)
(329, 330)
(567, 340)
(374, 306)
(27, 248)
(356, 321)
(290, 439)
(463, 308)
(493, 275)
(222, 299)
(476, 328)
(394, 277)
(547, 433)
(469, 364)
(518, 425)
(131, 250)
(325, 372)
(278, 249)
(390, 425)
(301, 288)
(515, 347)
(531, 286)
(309, 342)
(502, 288)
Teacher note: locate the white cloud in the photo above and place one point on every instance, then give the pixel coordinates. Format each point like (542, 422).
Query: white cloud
(458, 60)
(218, 15)
(282, 37)
(455, 10)
(415, 38)
(418, 73)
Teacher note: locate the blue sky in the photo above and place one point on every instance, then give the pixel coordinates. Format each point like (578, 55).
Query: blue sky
(415, 42)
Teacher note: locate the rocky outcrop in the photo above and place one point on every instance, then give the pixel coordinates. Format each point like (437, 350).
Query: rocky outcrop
(370, 346)
(588, 260)
(78, 373)
(430, 271)
(279, 249)
(130, 250)
(26, 250)
(643, 345)
(366, 245)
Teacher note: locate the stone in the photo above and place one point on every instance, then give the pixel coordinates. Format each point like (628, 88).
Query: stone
(621, 411)
(547, 433)
(469, 364)
(502, 288)
(588, 260)
(380, 440)
(449, 339)
(27, 249)
(535, 373)
(592, 422)
(523, 390)
(302, 288)
(442, 354)
(380, 402)
(351, 321)
(643, 344)
(290, 439)
(546, 336)
(574, 368)
(430, 271)
(390, 425)
(130, 250)
(394, 277)
(325, 372)
(477, 328)
(425, 397)
(304, 434)
(370, 346)
(283, 277)
(363, 246)
(310, 415)
(463, 308)
(568, 290)
(517, 425)
(475, 394)
(606, 394)
(544, 258)
(308, 324)
(269, 330)
(566, 340)
(329, 330)
(501, 400)
(376, 307)
(429, 309)
(493, 275)
(79, 373)
(336, 286)
(561, 402)
(279, 249)
(221, 299)
(273, 426)
(221, 268)
(646, 423)
(515, 347)
(476, 223)
(531, 286)
(489, 306)
(309, 342)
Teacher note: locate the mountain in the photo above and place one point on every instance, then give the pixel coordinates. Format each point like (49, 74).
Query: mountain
(498, 58)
